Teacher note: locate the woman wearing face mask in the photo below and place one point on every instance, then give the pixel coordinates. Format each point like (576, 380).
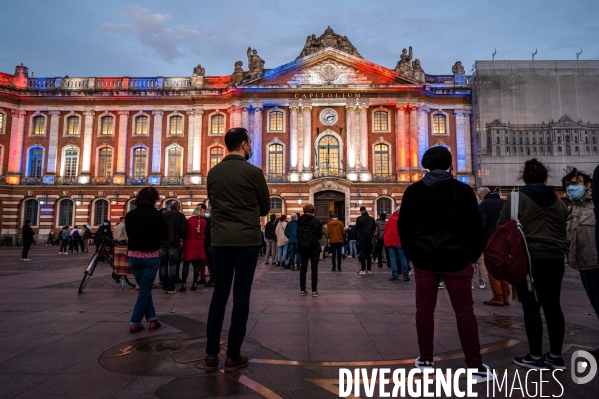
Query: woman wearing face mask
(581, 232)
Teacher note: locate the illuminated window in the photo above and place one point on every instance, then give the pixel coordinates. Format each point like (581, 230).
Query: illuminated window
(276, 207)
(140, 156)
(132, 205)
(217, 124)
(174, 161)
(105, 162)
(36, 156)
(38, 125)
(216, 155)
(100, 211)
(71, 158)
(176, 126)
(381, 121)
(141, 125)
(439, 124)
(1, 123)
(72, 125)
(275, 121)
(30, 211)
(328, 155)
(381, 159)
(65, 213)
(106, 125)
(383, 205)
(275, 159)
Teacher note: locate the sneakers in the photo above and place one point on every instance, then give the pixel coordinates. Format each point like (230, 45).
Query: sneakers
(406, 278)
(210, 364)
(472, 286)
(554, 362)
(369, 272)
(172, 292)
(482, 286)
(362, 272)
(234, 364)
(441, 285)
(315, 293)
(304, 293)
(530, 363)
(423, 364)
(483, 374)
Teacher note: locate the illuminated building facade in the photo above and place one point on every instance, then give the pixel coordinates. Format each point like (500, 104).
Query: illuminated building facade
(329, 128)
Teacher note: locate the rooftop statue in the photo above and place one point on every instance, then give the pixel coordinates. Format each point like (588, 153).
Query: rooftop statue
(416, 65)
(255, 63)
(403, 65)
(328, 39)
(458, 69)
(199, 70)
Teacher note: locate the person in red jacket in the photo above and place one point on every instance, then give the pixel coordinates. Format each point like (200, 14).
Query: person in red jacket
(193, 247)
(393, 245)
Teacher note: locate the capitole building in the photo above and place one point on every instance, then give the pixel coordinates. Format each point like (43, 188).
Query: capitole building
(329, 128)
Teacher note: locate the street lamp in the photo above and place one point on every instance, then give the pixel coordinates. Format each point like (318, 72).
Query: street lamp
(116, 195)
(190, 200)
(44, 198)
(359, 197)
(78, 200)
(299, 197)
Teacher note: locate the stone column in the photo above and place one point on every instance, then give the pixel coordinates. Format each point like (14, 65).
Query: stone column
(413, 138)
(293, 137)
(235, 115)
(257, 139)
(300, 139)
(364, 138)
(401, 143)
(196, 155)
(308, 147)
(468, 141)
(423, 111)
(157, 142)
(52, 146)
(356, 136)
(121, 160)
(245, 118)
(460, 140)
(86, 156)
(17, 136)
(349, 137)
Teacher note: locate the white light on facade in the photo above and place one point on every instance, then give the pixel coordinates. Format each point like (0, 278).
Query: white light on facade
(195, 180)
(352, 176)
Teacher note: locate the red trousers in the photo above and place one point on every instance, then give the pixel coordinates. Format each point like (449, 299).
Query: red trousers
(458, 285)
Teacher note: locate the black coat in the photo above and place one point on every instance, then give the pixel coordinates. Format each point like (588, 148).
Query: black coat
(145, 227)
(269, 231)
(208, 235)
(365, 226)
(316, 231)
(177, 227)
(28, 234)
(490, 209)
(439, 224)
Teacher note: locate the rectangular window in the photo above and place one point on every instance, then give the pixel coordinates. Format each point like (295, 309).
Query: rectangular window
(381, 159)
(38, 126)
(106, 125)
(381, 121)
(217, 124)
(174, 161)
(216, 155)
(141, 125)
(276, 121)
(176, 125)
(439, 124)
(139, 162)
(1, 123)
(105, 163)
(72, 126)
(275, 159)
(70, 163)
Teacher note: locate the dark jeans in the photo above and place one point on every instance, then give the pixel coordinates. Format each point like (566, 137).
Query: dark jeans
(230, 263)
(313, 259)
(294, 256)
(336, 250)
(25, 252)
(169, 258)
(74, 245)
(380, 245)
(63, 246)
(547, 275)
(458, 286)
(196, 270)
(365, 254)
(144, 271)
(590, 280)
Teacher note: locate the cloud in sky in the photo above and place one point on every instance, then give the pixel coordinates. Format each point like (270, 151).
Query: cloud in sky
(154, 31)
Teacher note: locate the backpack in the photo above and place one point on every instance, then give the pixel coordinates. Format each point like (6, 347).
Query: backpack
(75, 235)
(506, 255)
(304, 237)
(64, 235)
(381, 232)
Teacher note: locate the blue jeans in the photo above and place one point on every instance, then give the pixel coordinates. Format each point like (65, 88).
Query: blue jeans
(169, 259)
(353, 250)
(282, 253)
(144, 271)
(238, 263)
(396, 256)
(294, 256)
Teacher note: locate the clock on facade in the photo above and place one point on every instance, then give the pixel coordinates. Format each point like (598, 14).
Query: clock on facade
(328, 116)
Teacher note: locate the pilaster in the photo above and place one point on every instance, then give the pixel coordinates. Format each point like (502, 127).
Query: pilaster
(293, 108)
(119, 177)
(423, 111)
(257, 139)
(157, 142)
(52, 146)
(460, 140)
(88, 127)
(351, 142)
(365, 174)
(17, 132)
(402, 143)
(307, 127)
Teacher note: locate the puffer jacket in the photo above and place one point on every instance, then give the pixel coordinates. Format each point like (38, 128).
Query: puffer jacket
(581, 232)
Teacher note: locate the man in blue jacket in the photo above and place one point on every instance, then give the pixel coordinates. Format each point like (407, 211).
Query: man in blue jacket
(291, 234)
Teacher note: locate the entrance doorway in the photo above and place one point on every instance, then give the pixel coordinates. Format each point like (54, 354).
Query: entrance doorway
(328, 203)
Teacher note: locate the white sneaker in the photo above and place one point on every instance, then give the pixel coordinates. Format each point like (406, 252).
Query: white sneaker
(441, 285)
(26, 260)
(362, 272)
(482, 286)
(369, 272)
(423, 364)
(472, 286)
(483, 374)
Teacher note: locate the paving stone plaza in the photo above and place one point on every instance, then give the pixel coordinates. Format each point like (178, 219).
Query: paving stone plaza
(56, 343)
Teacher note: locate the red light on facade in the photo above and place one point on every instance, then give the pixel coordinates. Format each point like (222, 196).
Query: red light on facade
(12, 179)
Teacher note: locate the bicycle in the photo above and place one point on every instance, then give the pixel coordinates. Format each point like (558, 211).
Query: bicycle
(103, 249)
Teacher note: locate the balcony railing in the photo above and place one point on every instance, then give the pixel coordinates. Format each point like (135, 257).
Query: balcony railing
(101, 180)
(384, 178)
(276, 177)
(171, 180)
(329, 172)
(66, 180)
(136, 181)
(31, 180)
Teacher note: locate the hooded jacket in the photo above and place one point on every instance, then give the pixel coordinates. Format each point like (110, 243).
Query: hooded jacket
(336, 231)
(581, 233)
(391, 234)
(365, 225)
(440, 225)
(543, 218)
(490, 209)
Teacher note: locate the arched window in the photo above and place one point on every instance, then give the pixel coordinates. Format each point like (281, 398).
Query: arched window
(540, 149)
(176, 126)
(276, 207)
(498, 140)
(439, 124)
(521, 151)
(576, 149)
(588, 149)
(36, 155)
(174, 156)
(275, 121)
(549, 150)
(106, 125)
(514, 151)
(534, 150)
(383, 205)
(381, 121)
(39, 128)
(507, 150)
(595, 149)
(65, 213)
(216, 155)
(559, 149)
(568, 150)
(100, 211)
(30, 211)
(105, 162)
(381, 159)
(527, 150)
(1, 123)
(217, 124)
(275, 160)
(71, 160)
(72, 125)
(140, 155)
(142, 123)
(497, 150)
(328, 156)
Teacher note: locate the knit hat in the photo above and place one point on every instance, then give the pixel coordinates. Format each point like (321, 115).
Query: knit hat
(436, 158)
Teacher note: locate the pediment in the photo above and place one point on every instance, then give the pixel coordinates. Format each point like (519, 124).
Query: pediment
(330, 67)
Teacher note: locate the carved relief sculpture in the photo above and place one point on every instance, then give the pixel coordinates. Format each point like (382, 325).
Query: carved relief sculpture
(328, 39)
(255, 63)
(458, 69)
(403, 65)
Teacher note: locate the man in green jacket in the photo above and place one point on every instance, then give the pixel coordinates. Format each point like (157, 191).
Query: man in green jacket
(238, 195)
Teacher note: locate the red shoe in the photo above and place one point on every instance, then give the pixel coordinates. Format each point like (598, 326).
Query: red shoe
(154, 325)
(134, 329)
